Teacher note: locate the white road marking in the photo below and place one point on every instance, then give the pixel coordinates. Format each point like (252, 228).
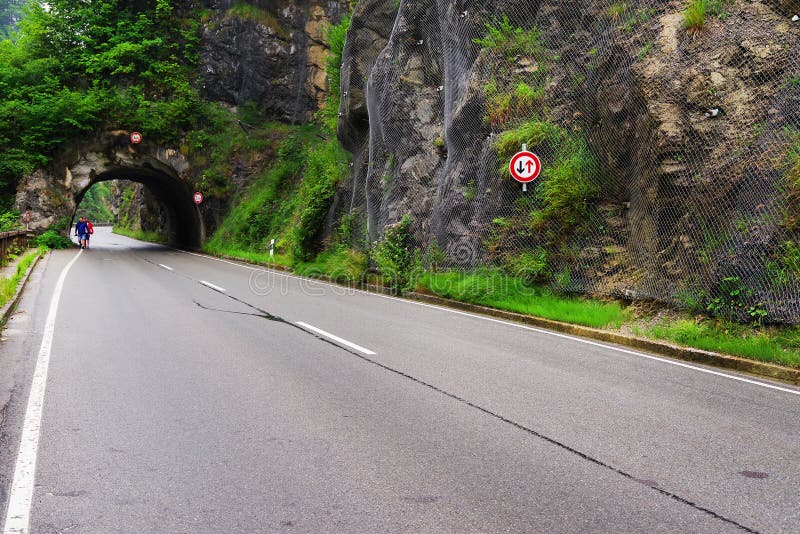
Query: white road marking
(212, 286)
(518, 325)
(337, 339)
(18, 515)
(167, 267)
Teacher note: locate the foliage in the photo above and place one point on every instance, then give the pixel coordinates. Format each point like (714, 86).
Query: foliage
(335, 35)
(290, 200)
(616, 10)
(792, 175)
(532, 133)
(8, 286)
(509, 40)
(11, 11)
(732, 302)
(79, 66)
(730, 338)
(341, 263)
(497, 290)
(96, 204)
(54, 240)
(567, 183)
(697, 11)
(352, 229)
(257, 14)
(9, 220)
(530, 266)
(325, 168)
(141, 235)
(265, 210)
(695, 14)
(393, 254)
(783, 267)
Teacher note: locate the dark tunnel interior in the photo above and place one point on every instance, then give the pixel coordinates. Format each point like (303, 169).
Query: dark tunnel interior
(184, 224)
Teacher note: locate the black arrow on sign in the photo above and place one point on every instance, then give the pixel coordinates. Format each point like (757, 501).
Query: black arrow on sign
(520, 168)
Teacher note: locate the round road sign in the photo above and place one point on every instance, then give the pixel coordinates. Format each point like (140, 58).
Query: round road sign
(198, 198)
(136, 138)
(525, 166)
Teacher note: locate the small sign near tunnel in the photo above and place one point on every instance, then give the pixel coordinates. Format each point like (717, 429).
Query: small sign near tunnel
(136, 138)
(198, 198)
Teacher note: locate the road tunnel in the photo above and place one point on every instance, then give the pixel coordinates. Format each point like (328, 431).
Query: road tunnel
(183, 221)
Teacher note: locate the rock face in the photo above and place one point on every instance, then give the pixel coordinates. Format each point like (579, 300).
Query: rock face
(688, 133)
(269, 53)
(53, 193)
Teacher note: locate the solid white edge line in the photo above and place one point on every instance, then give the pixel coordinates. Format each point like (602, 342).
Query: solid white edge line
(334, 338)
(517, 325)
(167, 267)
(212, 286)
(20, 497)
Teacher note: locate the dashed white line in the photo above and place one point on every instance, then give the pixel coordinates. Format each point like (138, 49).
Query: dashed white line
(522, 326)
(212, 286)
(332, 337)
(167, 267)
(18, 515)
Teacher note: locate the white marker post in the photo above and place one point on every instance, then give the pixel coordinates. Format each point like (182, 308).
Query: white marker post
(271, 248)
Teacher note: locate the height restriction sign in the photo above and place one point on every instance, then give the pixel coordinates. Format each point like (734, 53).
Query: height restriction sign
(525, 166)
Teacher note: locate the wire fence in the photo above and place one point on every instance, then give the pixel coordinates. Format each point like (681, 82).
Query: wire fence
(669, 144)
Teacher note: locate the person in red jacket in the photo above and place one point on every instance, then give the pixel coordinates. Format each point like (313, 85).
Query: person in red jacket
(89, 231)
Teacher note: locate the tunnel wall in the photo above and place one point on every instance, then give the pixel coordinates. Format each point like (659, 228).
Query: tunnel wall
(52, 194)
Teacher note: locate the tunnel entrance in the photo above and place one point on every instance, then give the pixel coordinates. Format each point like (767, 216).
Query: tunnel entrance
(182, 224)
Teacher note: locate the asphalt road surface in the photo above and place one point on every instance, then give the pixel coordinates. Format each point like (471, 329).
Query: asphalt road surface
(189, 394)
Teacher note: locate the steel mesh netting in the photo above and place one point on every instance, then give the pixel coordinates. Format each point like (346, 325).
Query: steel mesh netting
(670, 154)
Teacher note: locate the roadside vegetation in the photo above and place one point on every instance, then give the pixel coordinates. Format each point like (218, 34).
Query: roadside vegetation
(141, 235)
(8, 286)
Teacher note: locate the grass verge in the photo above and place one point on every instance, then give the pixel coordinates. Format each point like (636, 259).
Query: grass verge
(772, 344)
(497, 290)
(8, 286)
(141, 235)
(259, 258)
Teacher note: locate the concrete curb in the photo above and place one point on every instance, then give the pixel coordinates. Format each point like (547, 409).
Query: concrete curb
(8, 309)
(661, 348)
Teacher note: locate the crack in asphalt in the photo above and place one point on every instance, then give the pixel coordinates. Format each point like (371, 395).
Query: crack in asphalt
(266, 315)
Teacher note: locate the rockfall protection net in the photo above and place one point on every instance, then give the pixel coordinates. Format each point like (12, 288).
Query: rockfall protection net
(670, 148)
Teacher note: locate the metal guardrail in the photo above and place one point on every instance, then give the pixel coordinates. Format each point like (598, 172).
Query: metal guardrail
(11, 242)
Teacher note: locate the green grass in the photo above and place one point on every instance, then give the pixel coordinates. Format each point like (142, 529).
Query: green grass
(510, 40)
(497, 290)
(616, 10)
(246, 11)
(695, 14)
(697, 11)
(141, 235)
(8, 286)
(342, 264)
(252, 256)
(768, 345)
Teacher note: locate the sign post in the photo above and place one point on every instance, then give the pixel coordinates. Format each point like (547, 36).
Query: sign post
(525, 167)
(198, 198)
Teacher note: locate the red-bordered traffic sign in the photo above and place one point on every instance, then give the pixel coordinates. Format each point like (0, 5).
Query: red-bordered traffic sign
(525, 166)
(198, 198)
(136, 138)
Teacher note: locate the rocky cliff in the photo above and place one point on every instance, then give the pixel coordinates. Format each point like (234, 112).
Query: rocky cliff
(665, 145)
(271, 53)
